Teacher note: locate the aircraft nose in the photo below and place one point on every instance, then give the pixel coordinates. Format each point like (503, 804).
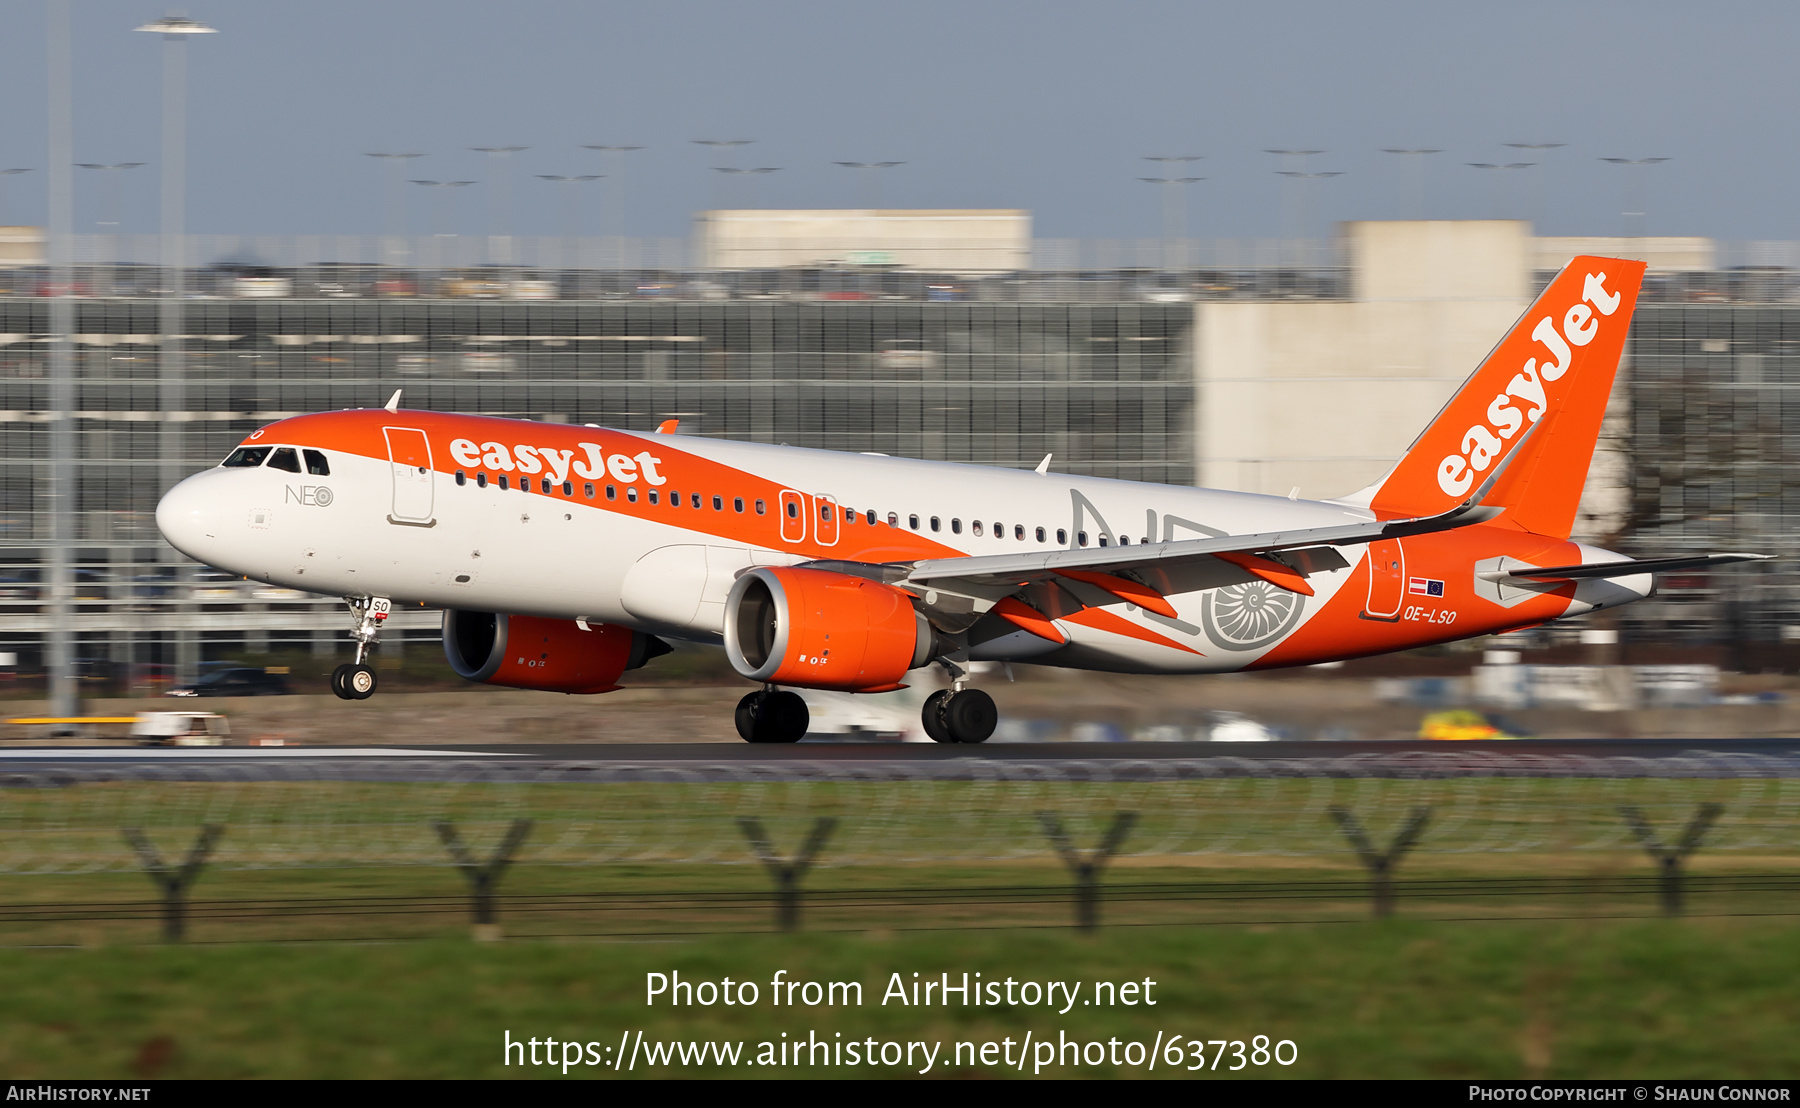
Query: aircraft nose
(188, 516)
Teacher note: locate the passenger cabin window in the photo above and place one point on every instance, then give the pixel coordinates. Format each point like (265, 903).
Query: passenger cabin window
(914, 520)
(503, 483)
(652, 496)
(793, 510)
(1081, 537)
(481, 480)
(762, 508)
(871, 517)
(461, 478)
(1040, 534)
(696, 500)
(718, 503)
(285, 459)
(894, 520)
(825, 512)
(545, 486)
(316, 463)
(1019, 532)
(737, 504)
(935, 526)
(976, 527)
(1062, 537)
(612, 492)
(631, 494)
(587, 490)
(247, 457)
(955, 526)
(568, 488)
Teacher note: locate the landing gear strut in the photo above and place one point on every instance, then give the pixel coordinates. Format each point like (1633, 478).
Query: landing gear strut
(770, 715)
(355, 680)
(959, 714)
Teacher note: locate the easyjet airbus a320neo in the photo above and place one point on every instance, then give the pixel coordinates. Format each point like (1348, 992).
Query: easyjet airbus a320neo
(564, 556)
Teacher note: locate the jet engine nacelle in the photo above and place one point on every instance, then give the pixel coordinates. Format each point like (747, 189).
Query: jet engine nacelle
(551, 655)
(816, 629)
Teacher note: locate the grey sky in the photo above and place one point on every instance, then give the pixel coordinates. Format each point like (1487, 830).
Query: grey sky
(1045, 105)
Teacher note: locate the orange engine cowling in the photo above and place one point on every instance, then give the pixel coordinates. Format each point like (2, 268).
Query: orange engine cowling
(822, 630)
(553, 655)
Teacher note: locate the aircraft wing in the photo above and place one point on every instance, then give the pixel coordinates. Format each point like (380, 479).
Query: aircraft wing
(1627, 568)
(1016, 570)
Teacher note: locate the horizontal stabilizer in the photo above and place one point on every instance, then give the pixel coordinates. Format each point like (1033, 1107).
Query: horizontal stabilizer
(1628, 568)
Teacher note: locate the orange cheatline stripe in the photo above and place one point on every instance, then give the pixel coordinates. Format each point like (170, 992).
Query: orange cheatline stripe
(1026, 618)
(1269, 570)
(1142, 595)
(1102, 620)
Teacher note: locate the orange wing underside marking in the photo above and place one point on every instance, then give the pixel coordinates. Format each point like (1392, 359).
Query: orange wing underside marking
(1142, 595)
(1102, 620)
(1270, 570)
(1026, 618)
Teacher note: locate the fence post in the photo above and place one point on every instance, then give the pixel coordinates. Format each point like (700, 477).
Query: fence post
(1668, 860)
(786, 874)
(1086, 868)
(1379, 863)
(171, 880)
(483, 877)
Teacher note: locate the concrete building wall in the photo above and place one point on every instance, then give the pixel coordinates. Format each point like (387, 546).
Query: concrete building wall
(960, 241)
(1327, 395)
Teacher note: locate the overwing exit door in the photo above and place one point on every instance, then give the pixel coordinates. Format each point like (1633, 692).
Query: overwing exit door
(409, 456)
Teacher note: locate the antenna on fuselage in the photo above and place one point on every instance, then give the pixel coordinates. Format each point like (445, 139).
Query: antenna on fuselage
(393, 404)
(1043, 467)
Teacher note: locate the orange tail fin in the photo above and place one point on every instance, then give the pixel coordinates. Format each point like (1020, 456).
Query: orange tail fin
(1541, 393)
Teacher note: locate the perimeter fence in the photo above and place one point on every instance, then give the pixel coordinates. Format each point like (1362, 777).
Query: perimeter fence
(665, 848)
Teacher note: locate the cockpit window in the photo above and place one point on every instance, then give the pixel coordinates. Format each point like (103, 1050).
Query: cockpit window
(285, 459)
(247, 456)
(316, 464)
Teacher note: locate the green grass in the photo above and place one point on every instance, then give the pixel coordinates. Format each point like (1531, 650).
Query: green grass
(1693, 998)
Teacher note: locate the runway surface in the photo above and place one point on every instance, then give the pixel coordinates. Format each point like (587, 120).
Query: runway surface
(569, 762)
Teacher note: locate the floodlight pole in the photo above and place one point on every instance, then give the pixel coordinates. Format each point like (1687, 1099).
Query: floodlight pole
(59, 669)
(719, 148)
(869, 174)
(1501, 196)
(1634, 192)
(1415, 157)
(172, 378)
(612, 215)
(1537, 150)
(110, 184)
(1174, 204)
(437, 259)
(394, 251)
(570, 260)
(499, 201)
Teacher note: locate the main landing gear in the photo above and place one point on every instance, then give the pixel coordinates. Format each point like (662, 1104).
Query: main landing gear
(959, 714)
(771, 715)
(355, 680)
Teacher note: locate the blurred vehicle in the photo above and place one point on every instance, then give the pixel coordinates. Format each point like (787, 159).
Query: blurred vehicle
(473, 288)
(210, 584)
(1230, 727)
(1462, 725)
(942, 292)
(395, 286)
(262, 288)
(180, 729)
(275, 592)
(18, 588)
(906, 354)
(487, 361)
(531, 290)
(236, 681)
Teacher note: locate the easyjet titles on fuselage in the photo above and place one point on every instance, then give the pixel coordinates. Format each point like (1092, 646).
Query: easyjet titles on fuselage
(593, 466)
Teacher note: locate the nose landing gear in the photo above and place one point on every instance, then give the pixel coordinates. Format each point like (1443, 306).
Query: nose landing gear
(959, 714)
(355, 680)
(771, 715)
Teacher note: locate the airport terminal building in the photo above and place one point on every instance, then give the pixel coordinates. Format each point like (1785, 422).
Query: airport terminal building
(1309, 368)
